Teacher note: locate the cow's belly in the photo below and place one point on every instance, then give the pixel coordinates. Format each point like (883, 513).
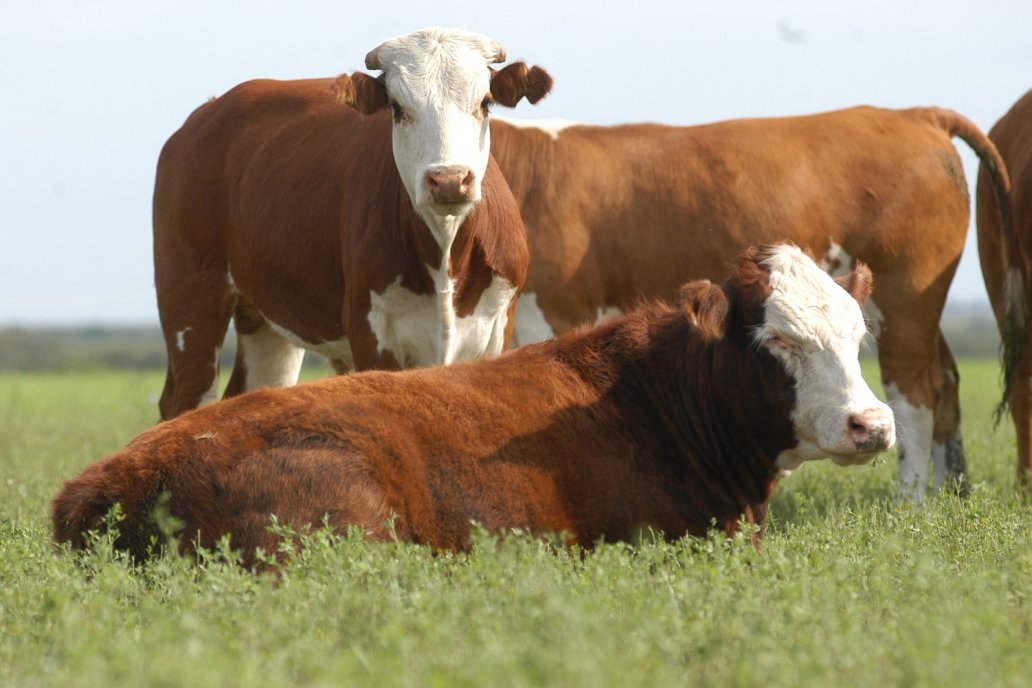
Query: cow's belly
(422, 330)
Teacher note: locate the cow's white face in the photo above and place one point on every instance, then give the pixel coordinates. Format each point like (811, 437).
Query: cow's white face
(814, 327)
(438, 87)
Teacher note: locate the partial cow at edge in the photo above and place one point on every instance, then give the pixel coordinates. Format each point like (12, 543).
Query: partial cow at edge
(617, 213)
(1005, 251)
(359, 217)
(682, 419)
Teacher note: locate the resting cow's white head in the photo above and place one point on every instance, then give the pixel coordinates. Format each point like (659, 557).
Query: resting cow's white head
(439, 86)
(814, 326)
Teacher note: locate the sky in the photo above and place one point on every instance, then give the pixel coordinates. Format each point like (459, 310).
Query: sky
(90, 91)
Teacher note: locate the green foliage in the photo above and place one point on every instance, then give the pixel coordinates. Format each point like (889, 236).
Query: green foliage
(849, 588)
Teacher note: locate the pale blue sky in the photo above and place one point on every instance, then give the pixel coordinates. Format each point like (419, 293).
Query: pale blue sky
(89, 91)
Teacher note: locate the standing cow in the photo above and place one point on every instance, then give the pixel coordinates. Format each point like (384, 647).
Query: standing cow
(615, 213)
(678, 418)
(1004, 248)
(362, 218)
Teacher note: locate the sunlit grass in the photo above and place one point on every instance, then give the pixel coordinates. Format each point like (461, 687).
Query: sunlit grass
(849, 588)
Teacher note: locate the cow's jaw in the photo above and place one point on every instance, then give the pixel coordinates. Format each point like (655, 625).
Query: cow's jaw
(815, 328)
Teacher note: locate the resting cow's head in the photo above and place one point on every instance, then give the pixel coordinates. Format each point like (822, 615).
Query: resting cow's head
(439, 87)
(797, 317)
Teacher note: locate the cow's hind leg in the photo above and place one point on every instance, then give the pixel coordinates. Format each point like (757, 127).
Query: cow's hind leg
(921, 381)
(948, 460)
(264, 358)
(1021, 412)
(194, 308)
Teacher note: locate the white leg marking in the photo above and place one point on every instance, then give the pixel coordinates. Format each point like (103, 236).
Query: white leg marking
(914, 425)
(212, 395)
(181, 338)
(531, 325)
(271, 360)
(938, 464)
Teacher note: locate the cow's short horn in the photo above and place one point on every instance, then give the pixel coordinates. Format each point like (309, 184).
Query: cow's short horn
(372, 60)
(497, 52)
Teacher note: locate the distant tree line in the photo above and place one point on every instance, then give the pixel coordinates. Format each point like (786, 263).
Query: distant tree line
(970, 333)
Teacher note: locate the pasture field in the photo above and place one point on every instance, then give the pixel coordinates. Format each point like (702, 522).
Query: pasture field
(850, 589)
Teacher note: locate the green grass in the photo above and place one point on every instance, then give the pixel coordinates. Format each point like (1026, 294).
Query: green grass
(849, 589)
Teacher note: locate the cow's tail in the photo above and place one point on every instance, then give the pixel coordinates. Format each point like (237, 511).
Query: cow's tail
(1015, 327)
(85, 504)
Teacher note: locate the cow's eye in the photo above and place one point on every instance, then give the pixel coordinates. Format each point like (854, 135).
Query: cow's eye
(485, 105)
(396, 109)
(779, 342)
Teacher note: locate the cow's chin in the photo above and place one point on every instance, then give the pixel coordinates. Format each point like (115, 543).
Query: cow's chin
(854, 459)
(450, 210)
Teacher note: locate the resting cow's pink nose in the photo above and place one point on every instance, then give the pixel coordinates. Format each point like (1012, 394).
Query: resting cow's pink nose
(449, 183)
(872, 429)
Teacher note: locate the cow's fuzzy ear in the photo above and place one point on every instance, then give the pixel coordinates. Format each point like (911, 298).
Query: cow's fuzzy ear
(364, 93)
(705, 304)
(516, 81)
(858, 283)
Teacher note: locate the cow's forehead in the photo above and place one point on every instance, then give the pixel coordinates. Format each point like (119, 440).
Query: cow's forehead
(806, 302)
(433, 60)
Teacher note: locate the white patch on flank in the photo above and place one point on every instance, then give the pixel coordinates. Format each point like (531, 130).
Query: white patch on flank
(552, 127)
(181, 338)
(814, 327)
(915, 439)
(531, 325)
(410, 326)
(270, 359)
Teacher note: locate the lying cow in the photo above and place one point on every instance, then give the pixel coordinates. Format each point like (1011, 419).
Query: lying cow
(675, 418)
(1004, 236)
(617, 213)
(361, 218)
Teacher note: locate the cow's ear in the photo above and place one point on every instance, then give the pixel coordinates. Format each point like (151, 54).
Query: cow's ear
(364, 93)
(517, 81)
(858, 283)
(705, 304)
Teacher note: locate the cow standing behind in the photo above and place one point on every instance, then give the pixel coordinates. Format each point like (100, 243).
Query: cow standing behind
(617, 213)
(361, 218)
(675, 418)
(1005, 251)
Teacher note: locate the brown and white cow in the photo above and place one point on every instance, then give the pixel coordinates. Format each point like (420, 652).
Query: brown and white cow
(1005, 251)
(675, 418)
(361, 218)
(617, 213)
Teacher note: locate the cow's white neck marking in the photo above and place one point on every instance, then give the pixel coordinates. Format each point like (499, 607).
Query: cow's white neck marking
(915, 424)
(444, 286)
(413, 327)
(551, 127)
